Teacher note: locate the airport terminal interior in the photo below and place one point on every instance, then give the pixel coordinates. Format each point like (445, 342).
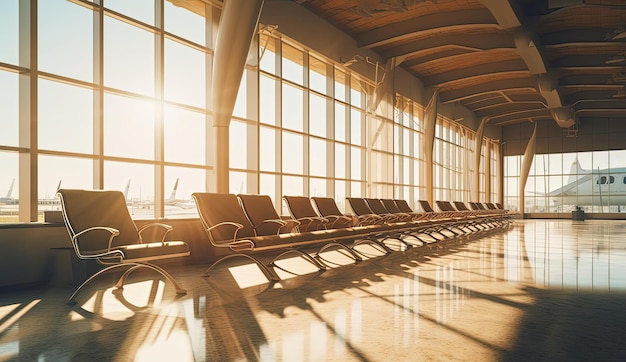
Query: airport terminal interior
(331, 180)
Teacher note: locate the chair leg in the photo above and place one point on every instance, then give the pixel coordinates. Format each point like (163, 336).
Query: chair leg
(270, 275)
(158, 269)
(71, 300)
(302, 254)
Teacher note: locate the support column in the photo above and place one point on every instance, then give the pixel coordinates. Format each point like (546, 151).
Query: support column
(479, 144)
(430, 121)
(237, 26)
(527, 161)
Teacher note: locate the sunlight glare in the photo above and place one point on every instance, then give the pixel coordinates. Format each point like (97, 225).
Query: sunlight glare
(6, 324)
(247, 275)
(7, 309)
(173, 347)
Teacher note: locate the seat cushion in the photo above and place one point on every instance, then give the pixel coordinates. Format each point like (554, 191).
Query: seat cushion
(153, 251)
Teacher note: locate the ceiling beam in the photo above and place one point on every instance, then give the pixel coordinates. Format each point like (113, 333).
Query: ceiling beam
(487, 88)
(424, 46)
(423, 26)
(488, 69)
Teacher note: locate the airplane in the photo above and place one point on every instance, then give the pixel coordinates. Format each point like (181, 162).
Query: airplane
(8, 200)
(170, 201)
(592, 187)
(182, 203)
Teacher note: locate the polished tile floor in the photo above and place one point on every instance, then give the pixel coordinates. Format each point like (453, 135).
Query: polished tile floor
(539, 290)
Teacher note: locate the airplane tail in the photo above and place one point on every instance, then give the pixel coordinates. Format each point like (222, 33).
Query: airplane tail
(575, 171)
(10, 192)
(126, 190)
(173, 194)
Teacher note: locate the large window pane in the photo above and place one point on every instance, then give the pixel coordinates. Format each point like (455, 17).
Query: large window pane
(317, 115)
(184, 74)
(128, 127)
(65, 47)
(128, 57)
(9, 108)
(267, 147)
(293, 108)
(9, 30)
(292, 153)
(180, 183)
(267, 100)
(185, 136)
(184, 23)
(267, 52)
(238, 145)
(317, 155)
(66, 172)
(357, 118)
(317, 187)
(293, 60)
(318, 75)
(340, 160)
(136, 181)
(142, 10)
(9, 188)
(65, 110)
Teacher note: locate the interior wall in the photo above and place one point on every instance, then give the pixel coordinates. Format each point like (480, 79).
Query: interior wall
(28, 254)
(598, 134)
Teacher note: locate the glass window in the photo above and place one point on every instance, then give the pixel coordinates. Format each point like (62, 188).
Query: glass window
(184, 135)
(238, 146)
(142, 10)
(128, 57)
(357, 92)
(355, 163)
(317, 75)
(267, 147)
(267, 100)
(241, 102)
(267, 52)
(293, 108)
(184, 23)
(184, 74)
(292, 185)
(340, 85)
(357, 119)
(238, 182)
(65, 47)
(293, 153)
(9, 30)
(267, 185)
(340, 122)
(340, 160)
(293, 60)
(317, 155)
(180, 183)
(9, 188)
(317, 115)
(317, 187)
(65, 110)
(136, 181)
(9, 107)
(128, 127)
(56, 172)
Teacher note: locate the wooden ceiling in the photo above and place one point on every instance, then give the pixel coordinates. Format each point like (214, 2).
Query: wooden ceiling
(507, 60)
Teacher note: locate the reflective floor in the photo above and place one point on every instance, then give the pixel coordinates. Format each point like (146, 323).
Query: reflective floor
(539, 290)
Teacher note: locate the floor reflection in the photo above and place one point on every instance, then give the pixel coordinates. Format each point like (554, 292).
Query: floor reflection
(540, 289)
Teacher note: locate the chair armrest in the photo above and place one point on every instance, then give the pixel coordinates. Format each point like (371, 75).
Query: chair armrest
(236, 229)
(108, 253)
(281, 224)
(167, 228)
(310, 220)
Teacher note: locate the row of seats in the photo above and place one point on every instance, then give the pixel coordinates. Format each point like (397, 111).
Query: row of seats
(250, 223)
(102, 229)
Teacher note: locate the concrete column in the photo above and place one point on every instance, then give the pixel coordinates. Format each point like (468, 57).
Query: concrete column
(237, 26)
(527, 161)
(430, 121)
(479, 144)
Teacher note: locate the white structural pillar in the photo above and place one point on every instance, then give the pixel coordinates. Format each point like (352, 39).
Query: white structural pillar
(430, 122)
(478, 148)
(527, 161)
(238, 24)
